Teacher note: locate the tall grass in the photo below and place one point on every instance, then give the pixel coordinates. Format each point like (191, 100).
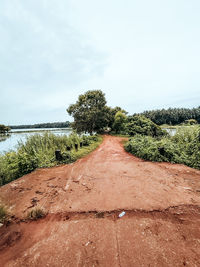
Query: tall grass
(3, 213)
(39, 151)
(183, 147)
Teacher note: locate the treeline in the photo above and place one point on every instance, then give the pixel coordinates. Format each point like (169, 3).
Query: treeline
(172, 116)
(43, 125)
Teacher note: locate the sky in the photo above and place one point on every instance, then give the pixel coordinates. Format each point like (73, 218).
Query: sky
(143, 55)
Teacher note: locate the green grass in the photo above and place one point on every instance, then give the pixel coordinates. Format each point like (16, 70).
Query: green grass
(39, 151)
(183, 147)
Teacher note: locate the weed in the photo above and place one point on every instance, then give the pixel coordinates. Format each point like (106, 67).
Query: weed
(3, 213)
(35, 214)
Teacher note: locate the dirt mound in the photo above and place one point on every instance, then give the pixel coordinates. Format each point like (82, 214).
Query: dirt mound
(83, 201)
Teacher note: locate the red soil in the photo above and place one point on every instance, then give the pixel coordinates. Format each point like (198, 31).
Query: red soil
(84, 200)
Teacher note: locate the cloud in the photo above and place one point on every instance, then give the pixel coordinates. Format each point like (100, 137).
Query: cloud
(142, 54)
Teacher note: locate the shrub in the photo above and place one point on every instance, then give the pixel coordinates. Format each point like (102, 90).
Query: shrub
(35, 214)
(191, 121)
(141, 125)
(39, 151)
(183, 147)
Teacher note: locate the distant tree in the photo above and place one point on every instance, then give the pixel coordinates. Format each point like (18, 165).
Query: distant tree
(4, 129)
(119, 122)
(42, 125)
(172, 116)
(111, 112)
(89, 112)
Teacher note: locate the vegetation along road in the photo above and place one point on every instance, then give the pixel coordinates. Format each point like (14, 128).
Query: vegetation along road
(83, 202)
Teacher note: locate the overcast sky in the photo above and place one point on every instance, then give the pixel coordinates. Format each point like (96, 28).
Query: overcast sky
(143, 54)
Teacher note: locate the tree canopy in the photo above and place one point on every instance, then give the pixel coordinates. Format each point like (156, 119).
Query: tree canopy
(89, 112)
(42, 125)
(119, 122)
(172, 116)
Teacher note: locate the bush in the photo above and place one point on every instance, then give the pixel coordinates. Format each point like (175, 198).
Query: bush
(35, 214)
(141, 125)
(39, 151)
(190, 122)
(183, 147)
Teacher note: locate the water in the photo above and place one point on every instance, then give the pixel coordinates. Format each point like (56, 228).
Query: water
(170, 131)
(10, 141)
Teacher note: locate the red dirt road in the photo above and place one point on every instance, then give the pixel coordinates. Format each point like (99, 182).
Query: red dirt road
(84, 200)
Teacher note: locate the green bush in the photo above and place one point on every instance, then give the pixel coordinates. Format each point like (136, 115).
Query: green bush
(183, 147)
(39, 151)
(141, 125)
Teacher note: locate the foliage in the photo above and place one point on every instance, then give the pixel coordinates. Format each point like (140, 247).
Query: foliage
(183, 147)
(4, 129)
(172, 116)
(89, 112)
(35, 214)
(190, 122)
(42, 125)
(3, 213)
(39, 151)
(110, 115)
(140, 125)
(119, 122)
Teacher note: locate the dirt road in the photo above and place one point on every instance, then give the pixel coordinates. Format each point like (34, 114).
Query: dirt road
(83, 200)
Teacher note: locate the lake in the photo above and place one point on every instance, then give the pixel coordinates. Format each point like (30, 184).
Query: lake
(10, 141)
(171, 131)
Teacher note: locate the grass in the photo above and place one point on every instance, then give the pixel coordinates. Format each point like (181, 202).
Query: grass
(39, 151)
(3, 213)
(35, 214)
(183, 147)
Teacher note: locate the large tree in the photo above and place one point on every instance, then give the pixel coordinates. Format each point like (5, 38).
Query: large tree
(89, 112)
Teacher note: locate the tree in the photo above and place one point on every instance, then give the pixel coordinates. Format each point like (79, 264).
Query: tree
(172, 115)
(119, 122)
(4, 129)
(89, 112)
(111, 112)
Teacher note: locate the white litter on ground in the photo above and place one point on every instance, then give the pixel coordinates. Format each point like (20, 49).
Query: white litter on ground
(122, 214)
